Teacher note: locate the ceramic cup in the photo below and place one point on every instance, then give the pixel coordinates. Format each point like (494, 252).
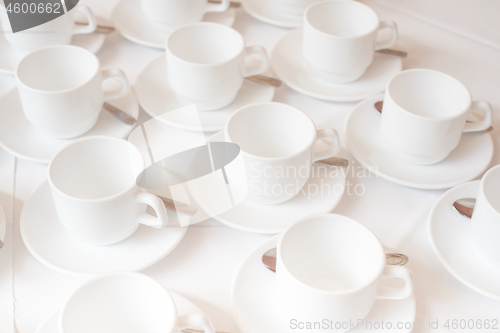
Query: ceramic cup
(425, 114)
(59, 31)
(166, 16)
(93, 183)
(61, 90)
(329, 267)
(209, 69)
(290, 7)
(125, 302)
(339, 39)
(485, 221)
(277, 145)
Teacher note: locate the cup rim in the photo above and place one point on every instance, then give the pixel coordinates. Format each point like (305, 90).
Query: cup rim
(322, 3)
(482, 189)
(228, 136)
(52, 92)
(62, 311)
(102, 199)
(415, 70)
(279, 256)
(167, 48)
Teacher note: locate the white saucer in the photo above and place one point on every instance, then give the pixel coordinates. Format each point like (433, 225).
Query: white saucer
(183, 305)
(260, 10)
(255, 309)
(128, 18)
(156, 98)
(51, 244)
(3, 224)
(9, 58)
(19, 137)
(450, 238)
(289, 65)
(363, 138)
(249, 216)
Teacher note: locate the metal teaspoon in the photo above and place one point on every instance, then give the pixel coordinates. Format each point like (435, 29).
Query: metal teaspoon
(395, 259)
(465, 206)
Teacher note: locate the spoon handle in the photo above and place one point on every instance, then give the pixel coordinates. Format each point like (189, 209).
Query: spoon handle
(232, 4)
(178, 207)
(1, 244)
(102, 29)
(395, 53)
(334, 161)
(119, 114)
(270, 81)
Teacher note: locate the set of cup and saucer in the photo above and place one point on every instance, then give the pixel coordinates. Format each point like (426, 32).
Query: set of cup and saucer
(468, 246)
(416, 141)
(201, 74)
(15, 47)
(305, 296)
(138, 25)
(128, 300)
(317, 59)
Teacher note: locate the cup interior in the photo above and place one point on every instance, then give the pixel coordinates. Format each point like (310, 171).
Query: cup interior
(491, 183)
(332, 253)
(205, 43)
(119, 303)
(342, 18)
(97, 167)
(57, 68)
(271, 130)
(429, 94)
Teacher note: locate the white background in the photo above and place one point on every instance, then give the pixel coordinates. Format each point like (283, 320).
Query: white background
(461, 38)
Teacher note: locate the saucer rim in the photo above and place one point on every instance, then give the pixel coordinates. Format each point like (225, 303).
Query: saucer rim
(148, 43)
(258, 16)
(177, 125)
(273, 231)
(266, 243)
(434, 245)
(39, 258)
(328, 98)
(373, 168)
(68, 141)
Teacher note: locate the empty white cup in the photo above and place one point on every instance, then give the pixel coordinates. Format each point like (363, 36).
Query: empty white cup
(277, 145)
(329, 267)
(59, 31)
(206, 64)
(425, 114)
(340, 37)
(61, 90)
(166, 16)
(93, 183)
(485, 221)
(125, 303)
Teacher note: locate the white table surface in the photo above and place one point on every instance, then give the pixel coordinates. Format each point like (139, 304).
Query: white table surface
(201, 268)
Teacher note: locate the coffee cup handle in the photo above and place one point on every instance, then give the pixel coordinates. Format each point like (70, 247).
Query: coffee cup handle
(485, 123)
(396, 293)
(327, 133)
(85, 29)
(161, 218)
(120, 75)
(217, 7)
(394, 38)
(256, 49)
(195, 320)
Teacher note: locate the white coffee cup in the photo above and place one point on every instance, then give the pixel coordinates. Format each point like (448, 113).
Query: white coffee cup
(59, 31)
(93, 183)
(125, 302)
(339, 39)
(277, 145)
(290, 7)
(206, 64)
(425, 114)
(61, 90)
(485, 221)
(168, 15)
(329, 267)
